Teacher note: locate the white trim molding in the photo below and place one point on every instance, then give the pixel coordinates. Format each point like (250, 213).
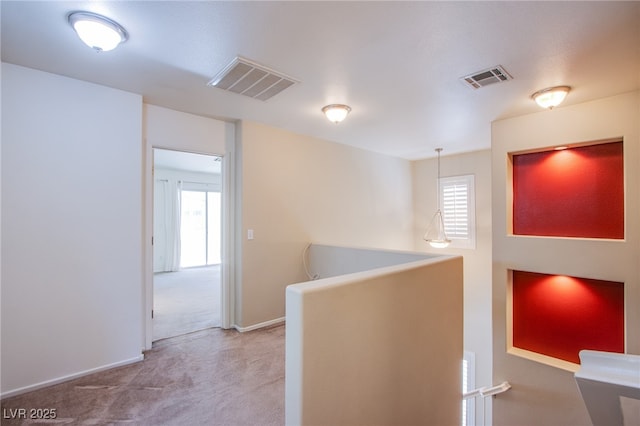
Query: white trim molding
(62, 379)
(260, 325)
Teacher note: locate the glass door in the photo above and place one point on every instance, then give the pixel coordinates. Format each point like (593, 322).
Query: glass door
(199, 228)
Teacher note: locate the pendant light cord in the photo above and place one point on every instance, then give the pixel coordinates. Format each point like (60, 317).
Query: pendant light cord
(438, 186)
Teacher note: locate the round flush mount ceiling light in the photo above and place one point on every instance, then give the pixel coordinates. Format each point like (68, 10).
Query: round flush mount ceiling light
(336, 112)
(97, 31)
(551, 96)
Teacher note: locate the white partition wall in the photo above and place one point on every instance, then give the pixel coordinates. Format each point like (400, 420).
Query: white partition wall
(376, 347)
(610, 387)
(71, 228)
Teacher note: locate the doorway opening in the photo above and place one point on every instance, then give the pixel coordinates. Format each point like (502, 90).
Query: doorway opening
(187, 225)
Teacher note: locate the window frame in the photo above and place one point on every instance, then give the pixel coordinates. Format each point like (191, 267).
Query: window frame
(468, 384)
(445, 183)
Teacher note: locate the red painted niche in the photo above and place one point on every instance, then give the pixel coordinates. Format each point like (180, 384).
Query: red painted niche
(576, 192)
(558, 316)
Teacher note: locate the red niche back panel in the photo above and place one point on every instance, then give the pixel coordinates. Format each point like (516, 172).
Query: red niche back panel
(558, 316)
(576, 192)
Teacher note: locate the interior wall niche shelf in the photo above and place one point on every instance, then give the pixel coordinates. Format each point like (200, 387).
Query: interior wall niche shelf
(556, 316)
(574, 192)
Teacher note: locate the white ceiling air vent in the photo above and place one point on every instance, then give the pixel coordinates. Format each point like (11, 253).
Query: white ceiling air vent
(248, 78)
(486, 77)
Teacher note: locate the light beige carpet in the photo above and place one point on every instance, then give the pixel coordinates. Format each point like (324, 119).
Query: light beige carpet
(185, 301)
(210, 377)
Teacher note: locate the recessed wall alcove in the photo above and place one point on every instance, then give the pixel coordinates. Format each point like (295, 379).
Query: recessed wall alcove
(574, 191)
(548, 390)
(557, 316)
(571, 192)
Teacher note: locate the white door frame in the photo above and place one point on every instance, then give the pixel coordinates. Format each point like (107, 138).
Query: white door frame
(228, 226)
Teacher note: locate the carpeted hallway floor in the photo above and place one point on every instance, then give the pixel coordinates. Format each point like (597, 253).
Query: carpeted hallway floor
(209, 377)
(185, 301)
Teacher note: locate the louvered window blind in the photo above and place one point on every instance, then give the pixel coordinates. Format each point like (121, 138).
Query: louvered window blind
(457, 195)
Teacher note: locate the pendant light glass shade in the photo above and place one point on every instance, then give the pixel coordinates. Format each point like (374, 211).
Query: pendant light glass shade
(436, 235)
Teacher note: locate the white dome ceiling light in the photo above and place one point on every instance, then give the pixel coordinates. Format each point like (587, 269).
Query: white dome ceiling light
(336, 112)
(551, 96)
(97, 31)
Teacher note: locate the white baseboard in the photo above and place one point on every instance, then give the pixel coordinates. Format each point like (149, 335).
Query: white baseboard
(55, 381)
(259, 325)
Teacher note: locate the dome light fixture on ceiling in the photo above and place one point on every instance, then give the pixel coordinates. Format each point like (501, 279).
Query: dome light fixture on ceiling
(336, 112)
(551, 96)
(97, 31)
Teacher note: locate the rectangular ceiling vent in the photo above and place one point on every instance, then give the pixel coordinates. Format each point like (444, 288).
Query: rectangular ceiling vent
(250, 79)
(486, 77)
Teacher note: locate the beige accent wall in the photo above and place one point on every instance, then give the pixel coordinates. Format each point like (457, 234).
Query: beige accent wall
(295, 189)
(377, 347)
(543, 394)
(477, 262)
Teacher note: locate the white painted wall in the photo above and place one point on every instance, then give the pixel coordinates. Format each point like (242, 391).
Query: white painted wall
(180, 131)
(296, 189)
(376, 347)
(477, 262)
(544, 394)
(329, 261)
(71, 228)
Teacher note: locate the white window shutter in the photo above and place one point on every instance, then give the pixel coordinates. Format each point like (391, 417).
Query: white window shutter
(457, 195)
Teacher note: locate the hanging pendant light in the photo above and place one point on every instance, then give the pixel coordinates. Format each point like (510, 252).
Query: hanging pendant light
(435, 235)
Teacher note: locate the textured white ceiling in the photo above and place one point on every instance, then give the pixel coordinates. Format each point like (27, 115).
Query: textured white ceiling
(397, 64)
